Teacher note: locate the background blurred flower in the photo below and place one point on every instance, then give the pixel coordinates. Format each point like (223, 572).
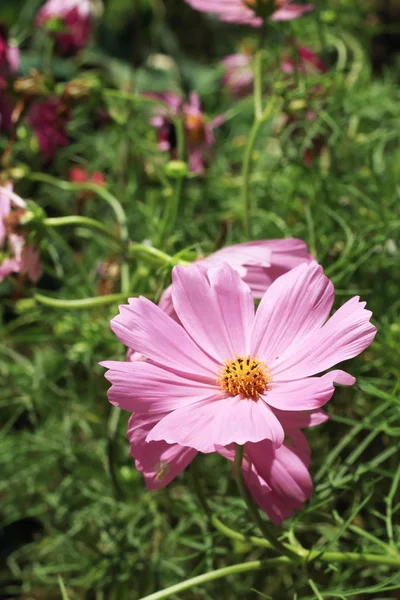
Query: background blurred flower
(48, 119)
(18, 256)
(70, 22)
(238, 74)
(199, 133)
(248, 11)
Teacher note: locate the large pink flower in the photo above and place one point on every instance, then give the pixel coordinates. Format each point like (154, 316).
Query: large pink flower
(17, 255)
(199, 133)
(258, 263)
(75, 23)
(248, 11)
(226, 375)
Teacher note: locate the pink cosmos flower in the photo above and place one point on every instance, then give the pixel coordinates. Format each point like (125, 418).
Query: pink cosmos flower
(73, 21)
(18, 256)
(258, 263)
(226, 375)
(238, 74)
(251, 12)
(199, 136)
(49, 119)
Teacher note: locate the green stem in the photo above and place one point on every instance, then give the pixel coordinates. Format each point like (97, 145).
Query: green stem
(264, 527)
(258, 84)
(246, 168)
(111, 200)
(213, 519)
(82, 303)
(80, 221)
(99, 190)
(174, 201)
(256, 565)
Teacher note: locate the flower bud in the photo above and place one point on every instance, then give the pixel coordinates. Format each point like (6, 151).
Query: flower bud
(176, 169)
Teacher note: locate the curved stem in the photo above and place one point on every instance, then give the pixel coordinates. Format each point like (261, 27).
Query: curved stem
(99, 190)
(81, 303)
(80, 221)
(264, 527)
(256, 565)
(111, 200)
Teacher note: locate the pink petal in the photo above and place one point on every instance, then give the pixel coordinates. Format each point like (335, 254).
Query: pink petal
(159, 462)
(285, 471)
(140, 386)
(282, 469)
(300, 419)
(305, 394)
(347, 333)
(295, 304)
(291, 11)
(216, 309)
(219, 422)
(143, 326)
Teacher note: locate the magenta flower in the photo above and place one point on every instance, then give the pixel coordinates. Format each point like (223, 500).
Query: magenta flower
(9, 55)
(17, 255)
(303, 60)
(258, 263)
(225, 375)
(199, 136)
(249, 12)
(69, 21)
(238, 74)
(49, 119)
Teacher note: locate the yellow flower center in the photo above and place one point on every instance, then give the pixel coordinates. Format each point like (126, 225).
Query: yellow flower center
(244, 375)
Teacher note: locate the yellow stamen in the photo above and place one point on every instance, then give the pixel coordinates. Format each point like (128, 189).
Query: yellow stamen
(244, 375)
(161, 470)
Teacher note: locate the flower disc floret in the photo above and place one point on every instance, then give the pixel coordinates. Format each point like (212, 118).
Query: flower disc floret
(246, 376)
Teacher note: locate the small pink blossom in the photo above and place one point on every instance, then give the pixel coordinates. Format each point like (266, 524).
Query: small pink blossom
(199, 133)
(258, 263)
(49, 119)
(75, 23)
(251, 12)
(17, 255)
(225, 375)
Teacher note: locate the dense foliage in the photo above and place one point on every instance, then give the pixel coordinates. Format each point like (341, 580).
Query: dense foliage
(324, 168)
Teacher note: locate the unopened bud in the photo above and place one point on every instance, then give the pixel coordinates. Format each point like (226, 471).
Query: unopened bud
(176, 169)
